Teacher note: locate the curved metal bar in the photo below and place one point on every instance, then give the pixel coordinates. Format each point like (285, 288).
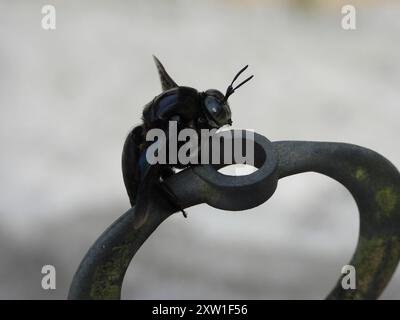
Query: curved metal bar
(375, 185)
(372, 180)
(102, 270)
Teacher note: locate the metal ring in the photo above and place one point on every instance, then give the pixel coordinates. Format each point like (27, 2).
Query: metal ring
(204, 184)
(372, 180)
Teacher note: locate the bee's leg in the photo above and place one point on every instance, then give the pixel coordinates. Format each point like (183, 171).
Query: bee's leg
(173, 198)
(165, 173)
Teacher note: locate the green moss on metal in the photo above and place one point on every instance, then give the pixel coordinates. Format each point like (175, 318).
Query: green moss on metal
(107, 277)
(361, 174)
(387, 198)
(367, 263)
(375, 261)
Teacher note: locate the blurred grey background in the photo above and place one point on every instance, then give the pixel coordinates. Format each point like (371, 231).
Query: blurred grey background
(68, 98)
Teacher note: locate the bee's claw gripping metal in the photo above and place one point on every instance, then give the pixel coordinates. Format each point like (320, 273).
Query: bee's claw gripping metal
(173, 198)
(372, 180)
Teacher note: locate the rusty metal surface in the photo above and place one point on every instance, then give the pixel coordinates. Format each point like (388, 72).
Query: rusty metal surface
(372, 180)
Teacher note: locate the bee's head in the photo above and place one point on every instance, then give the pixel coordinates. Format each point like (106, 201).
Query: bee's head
(215, 109)
(215, 104)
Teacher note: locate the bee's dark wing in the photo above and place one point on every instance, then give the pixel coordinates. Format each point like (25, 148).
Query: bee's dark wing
(130, 162)
(166, 81)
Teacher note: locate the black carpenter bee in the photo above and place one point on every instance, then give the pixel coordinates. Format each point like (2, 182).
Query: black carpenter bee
(189, 107)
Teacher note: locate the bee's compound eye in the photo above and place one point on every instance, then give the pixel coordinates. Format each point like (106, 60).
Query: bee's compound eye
(216, 110)
(213, 105)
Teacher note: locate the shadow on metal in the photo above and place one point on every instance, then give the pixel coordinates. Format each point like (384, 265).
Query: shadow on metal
(372, 180)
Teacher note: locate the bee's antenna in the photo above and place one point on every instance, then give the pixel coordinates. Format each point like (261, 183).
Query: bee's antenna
(230, 90)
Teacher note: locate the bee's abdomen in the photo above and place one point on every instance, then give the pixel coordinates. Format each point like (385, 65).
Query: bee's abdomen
(133, 146)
